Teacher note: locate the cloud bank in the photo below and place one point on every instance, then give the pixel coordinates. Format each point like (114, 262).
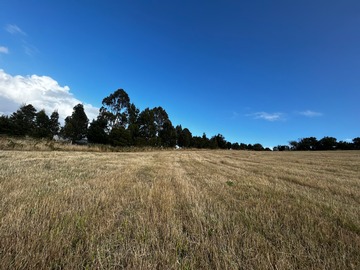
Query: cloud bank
(42, 92)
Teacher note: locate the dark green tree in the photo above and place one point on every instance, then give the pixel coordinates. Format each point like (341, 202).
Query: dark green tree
(115, 109)
(282, 148)
(197, 142)
(54, 123)
(97, 131)
(243, 146)
(147, 129)
(356, 142)
(187, 137)
(257, 147)
(213, 144)
(179, 140)
(235, 146)
(342, 145)
(228, 145)
(326, 143)
(5, 125)
(160, 118)
(200, 142)
(205, 141)
(294, 145)
(218, 141)
(167, 134)
(309, 143)
(133, 126)
(184, 136)
(119, 136)
(22, 120)
(221, 142)
(133, 112)
(42, 125)
(75, 127)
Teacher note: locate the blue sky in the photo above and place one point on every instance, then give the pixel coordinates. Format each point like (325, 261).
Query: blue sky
(254, 71)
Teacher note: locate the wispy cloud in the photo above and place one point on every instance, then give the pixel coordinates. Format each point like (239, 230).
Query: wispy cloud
(29, 49)
(268, 116)
(14, 29)
(235, 115)
(42, 92)
(278, 116)
(4, 50)
(309, 113)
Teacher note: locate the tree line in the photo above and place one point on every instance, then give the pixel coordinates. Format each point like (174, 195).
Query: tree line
(27, 121)
(121, 124)
(326, 143)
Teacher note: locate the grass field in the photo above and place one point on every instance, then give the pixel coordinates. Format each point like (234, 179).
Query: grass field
(179, 210)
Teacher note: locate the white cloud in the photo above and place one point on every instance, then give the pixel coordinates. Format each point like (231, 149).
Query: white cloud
(14, 29)
(309, 113)
(4, 50)
(267, 116)
(42, 92)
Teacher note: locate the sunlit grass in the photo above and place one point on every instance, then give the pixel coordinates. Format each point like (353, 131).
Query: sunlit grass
(179, 210)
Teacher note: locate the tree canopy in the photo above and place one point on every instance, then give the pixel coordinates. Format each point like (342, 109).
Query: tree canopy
(75, 127)
(115, 108)
(27, 121)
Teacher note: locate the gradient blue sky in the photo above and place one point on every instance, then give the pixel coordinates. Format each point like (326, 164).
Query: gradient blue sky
(254, 71)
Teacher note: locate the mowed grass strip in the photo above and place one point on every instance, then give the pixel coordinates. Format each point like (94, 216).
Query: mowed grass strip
(180, 210)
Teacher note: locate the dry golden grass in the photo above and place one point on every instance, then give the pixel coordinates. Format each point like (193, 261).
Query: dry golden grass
(32, 144)
(180, 210)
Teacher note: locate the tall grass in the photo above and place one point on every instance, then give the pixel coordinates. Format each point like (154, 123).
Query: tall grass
(179, 210)
(32, 144)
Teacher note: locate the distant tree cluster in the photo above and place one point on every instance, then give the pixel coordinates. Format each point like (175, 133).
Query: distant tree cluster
(121, 124)
(326, 143)
(27, 121)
